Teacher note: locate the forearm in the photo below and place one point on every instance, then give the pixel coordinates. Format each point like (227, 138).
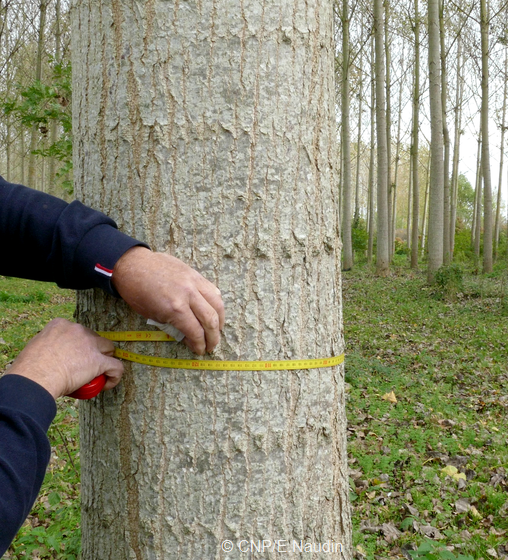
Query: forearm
(26, 412)
(44, 238)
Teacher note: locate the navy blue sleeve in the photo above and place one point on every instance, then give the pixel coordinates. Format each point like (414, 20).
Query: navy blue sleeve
(26, 412)
(45, 238)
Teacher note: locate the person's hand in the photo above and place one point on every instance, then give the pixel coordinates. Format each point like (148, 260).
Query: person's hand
(64, 356)
(163, 288)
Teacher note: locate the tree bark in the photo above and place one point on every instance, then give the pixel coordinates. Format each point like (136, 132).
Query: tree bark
(383, 224)
(446, 141)
(414, 143)
(372, 161)
(347, 248)
(38, 75)
(52, 187)
(487, 182)
(456, 146)
(501, 155)
(208, 130)
(436, 192)
(388, 104)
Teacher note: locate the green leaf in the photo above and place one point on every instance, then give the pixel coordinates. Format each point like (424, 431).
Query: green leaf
(54, 499)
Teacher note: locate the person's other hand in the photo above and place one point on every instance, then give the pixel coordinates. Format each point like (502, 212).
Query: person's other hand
(64, 356)
(163, 288)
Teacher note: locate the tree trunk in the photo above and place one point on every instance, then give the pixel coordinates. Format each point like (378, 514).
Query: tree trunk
(425, 218)
(383, 224)
(456, 146)
(436, 192)
(393, 225)
(501, 155)
(356, 217)
(38, 75)
(53, 135)
(446, 141)
(475, 231)
(372, 162)
(347, 247)
(388, 85)
(209, 132)
(487, 182)
(414, 143)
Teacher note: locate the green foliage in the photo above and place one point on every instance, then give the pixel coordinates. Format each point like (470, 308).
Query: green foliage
(401, 247)
(465, 201)
(463, 250)
(450, 281)
(431, 550)
(39, 105)
(360, 236)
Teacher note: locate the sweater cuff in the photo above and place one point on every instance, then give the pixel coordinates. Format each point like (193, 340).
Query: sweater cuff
(22, 395)
(99, 250)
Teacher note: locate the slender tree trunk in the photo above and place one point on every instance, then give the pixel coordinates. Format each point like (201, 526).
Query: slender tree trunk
(478, 222)
(436, 192)
(397, 158)
(359, 141)
(209, 132)
(501, 155)
(425, 219)
(347, 243)
(477, 199)
(414, 143)
(372, 162)
(487, 182)
(409, 204)
(388, 86)
(383, 240)
(446, 141)
(8, 127)
(53, 135)
(456, 145)
(38, 75)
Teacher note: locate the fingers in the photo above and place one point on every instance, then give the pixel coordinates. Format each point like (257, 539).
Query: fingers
(113, 369)
(104, 345)
(209, 320)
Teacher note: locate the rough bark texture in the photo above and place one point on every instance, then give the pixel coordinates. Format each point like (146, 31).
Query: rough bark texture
(383, 224)
(208, 130)
(487, 182)
(346, 145)
(415, 142)
(436, 191)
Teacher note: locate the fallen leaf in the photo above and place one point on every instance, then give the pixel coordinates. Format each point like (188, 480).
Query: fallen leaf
(462, 505)
(431, 532)
(361, 550)
(390, 397)
(475, 512)
(450, 470)
(492, 552)
(390, 532)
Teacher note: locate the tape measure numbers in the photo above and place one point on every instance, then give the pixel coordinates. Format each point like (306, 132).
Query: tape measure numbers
(93, 388)
(209, 365)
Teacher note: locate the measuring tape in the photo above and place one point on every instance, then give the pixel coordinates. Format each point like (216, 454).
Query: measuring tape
(209, 365)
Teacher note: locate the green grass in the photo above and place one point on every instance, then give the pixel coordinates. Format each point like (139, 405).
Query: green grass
(445, 361)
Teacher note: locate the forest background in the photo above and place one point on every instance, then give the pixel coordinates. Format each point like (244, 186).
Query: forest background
(421, 121)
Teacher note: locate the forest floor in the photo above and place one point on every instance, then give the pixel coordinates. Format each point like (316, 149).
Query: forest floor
(427, 400)
(427, 403)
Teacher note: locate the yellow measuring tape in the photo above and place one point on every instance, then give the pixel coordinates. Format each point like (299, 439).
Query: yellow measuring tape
(211, 365)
